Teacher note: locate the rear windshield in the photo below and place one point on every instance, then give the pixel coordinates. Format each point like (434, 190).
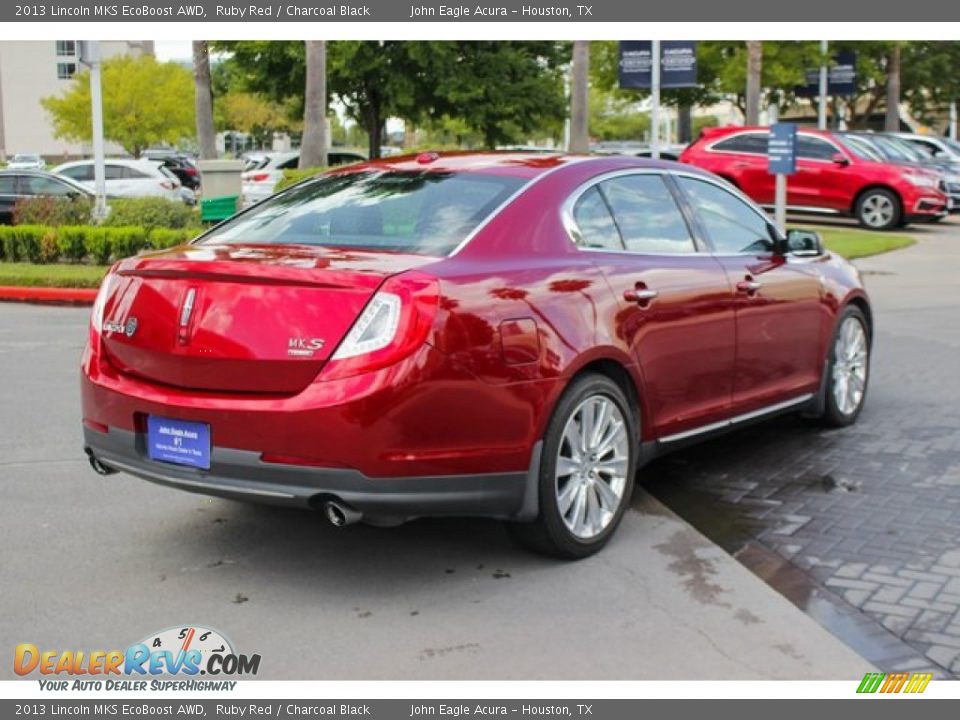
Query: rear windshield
(426, 213)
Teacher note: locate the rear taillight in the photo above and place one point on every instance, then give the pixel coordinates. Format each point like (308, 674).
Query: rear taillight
(191, 171)
(258, 177)
(393, 325)
(167, 184)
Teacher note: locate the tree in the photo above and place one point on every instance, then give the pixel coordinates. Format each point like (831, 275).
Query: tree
(313, 146)
(252, 115)
(142, 104)
(204, 100)
(754, 84)
(891, 122)
(579, 130)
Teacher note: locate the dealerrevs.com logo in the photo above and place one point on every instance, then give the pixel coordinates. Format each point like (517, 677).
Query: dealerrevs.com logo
(186, 652)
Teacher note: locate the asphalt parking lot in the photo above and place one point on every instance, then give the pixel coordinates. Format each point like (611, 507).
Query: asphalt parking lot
(856, 531)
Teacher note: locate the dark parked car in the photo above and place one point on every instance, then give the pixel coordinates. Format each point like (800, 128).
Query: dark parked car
(181, 166)
(18, 184)
(503, 335)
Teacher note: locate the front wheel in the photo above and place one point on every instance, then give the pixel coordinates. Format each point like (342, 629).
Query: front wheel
(586, 471)
(848, 369)
(879, 209)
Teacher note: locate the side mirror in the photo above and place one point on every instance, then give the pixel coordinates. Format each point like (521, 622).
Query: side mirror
(804, 243)
(840, 159)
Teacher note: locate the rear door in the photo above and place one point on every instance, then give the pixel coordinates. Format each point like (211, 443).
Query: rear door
(8, 197)
(743, 158)
(779, 312)
(675, 302)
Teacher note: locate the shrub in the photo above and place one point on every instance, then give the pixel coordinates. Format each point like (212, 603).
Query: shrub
(292, 177)
(126, 241)
(52, 211)
(98, 244)
(150, 213)
(161, 238)
(71, 239)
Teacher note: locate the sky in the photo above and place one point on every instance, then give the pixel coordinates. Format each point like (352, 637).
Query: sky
(173, 49)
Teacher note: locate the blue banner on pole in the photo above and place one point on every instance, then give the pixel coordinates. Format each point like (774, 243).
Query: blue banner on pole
(678, 64)
(841, 77)
(782, 149)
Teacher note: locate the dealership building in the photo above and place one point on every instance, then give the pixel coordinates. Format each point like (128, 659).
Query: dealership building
(31, 70)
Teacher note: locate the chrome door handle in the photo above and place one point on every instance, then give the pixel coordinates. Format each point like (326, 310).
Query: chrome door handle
(640, 295)
(749, 286)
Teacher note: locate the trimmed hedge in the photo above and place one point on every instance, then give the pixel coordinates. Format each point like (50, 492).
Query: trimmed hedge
(78, 243)
(49, 210)
(150, 213)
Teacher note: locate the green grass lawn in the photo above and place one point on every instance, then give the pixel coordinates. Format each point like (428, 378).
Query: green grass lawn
(56, 275)
(856, 243)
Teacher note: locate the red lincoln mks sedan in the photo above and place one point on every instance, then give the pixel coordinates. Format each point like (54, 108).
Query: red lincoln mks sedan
(505, 335)
(834, 177)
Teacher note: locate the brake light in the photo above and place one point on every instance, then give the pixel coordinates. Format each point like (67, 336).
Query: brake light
(190, 171)
(167, 184)
(259, 177)
(393, 325)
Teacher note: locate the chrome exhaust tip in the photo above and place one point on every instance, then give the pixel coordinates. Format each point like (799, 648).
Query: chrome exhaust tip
(340, 515)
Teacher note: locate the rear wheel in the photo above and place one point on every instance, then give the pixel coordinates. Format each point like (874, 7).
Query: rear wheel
(878, 209)
(586, 471)
(848, 369)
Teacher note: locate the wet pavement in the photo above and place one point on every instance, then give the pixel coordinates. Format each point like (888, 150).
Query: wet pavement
(859, 527)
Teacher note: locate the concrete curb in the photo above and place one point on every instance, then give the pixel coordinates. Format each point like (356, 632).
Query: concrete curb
(48, 295)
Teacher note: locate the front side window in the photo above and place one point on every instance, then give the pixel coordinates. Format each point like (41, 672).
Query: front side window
(595, 223)
(647, 215)
(8, 184)
(38, 185)
(734, 226)
(811, 148)
(427, 213)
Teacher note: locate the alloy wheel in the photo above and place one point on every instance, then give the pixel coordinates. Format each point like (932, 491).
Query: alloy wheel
(878, 211)
(592, 465)
(850, 366)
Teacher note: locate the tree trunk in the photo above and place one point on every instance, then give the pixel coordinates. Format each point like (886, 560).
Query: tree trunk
(754, 81)
(313, 144)
(579, 131)
(891, 122)
(684, 124)
(206, 136)
(374, 127)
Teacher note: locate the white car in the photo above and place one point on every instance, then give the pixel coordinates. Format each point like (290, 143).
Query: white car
(263, 172)
(26, 161)
(127, 178)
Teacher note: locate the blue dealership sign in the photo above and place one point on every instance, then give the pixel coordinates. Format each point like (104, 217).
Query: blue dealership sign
(678, 63)
(178, 441)
(841, 77)
(782, 149)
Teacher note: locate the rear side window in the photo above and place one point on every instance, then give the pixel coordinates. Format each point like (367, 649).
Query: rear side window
(647, 215)
(39, 185)
(595, 223)
(733, 225)
(79, 172)
(8, 184)
(755, 143)
(427, 213)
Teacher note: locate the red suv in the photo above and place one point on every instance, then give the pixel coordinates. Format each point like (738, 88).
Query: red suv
(833, 177)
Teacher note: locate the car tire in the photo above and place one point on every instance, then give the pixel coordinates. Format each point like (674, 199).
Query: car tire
(587, 470)
(848, 369)
(879, 209)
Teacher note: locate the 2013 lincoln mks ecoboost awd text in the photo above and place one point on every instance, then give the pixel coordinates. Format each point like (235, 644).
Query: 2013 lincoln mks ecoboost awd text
(506, 335)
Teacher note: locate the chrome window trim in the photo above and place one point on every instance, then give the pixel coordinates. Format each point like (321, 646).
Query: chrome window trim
(573, 229)
(568, 162)
(737, 419)
(711, 148)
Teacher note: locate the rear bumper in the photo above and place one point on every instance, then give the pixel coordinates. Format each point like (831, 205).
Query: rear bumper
(242, 475)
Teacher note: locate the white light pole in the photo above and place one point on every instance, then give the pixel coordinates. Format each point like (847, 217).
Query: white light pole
(655, 99)
(952, 131)
(90, 56)
(822, 104)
